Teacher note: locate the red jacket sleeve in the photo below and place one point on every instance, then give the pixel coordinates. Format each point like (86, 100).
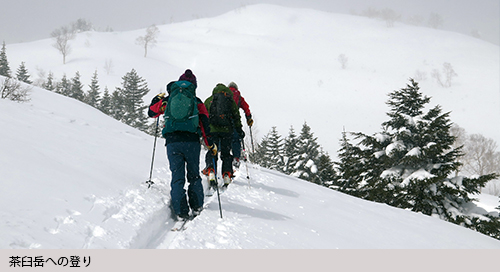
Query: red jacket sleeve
(245, 107)
(156, 109)
(240, 101)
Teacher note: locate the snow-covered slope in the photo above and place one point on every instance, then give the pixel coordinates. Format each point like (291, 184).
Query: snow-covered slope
(285, 61)
(75, 178)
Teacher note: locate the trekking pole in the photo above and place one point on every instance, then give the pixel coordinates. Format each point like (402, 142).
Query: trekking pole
(251, 138)
(218, 194)
(245, 159)
(246, 162)
(150, 182)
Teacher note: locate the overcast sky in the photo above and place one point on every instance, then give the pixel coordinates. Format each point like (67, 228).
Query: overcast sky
(28, 20)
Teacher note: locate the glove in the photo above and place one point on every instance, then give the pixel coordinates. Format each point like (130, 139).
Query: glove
(163, 106)
(213, 149)
(249, 120)
(157, 98)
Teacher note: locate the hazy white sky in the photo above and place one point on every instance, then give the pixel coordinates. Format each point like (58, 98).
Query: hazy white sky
(28, 20)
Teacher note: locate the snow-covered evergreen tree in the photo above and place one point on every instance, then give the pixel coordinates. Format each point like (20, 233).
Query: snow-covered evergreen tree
(326, 171)
(258, 157)
(117, 105)
(410, 164)
(77, 88)
(64, 87)
(105, 103)
(93, 96)
(309, 151)
(273, 152)
(290, 151)
(49, 84)
(4, 64)
(22, 74)
(133, 89)
(349, 167)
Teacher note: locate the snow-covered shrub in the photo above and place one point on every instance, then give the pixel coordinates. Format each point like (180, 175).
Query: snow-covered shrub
(14, 90)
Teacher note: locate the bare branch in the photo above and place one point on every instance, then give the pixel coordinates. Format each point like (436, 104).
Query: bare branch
(148, 40)
(12, 89)
(62, 36)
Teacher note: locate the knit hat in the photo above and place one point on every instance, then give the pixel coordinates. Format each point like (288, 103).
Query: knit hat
(233, 85)
(188, 76)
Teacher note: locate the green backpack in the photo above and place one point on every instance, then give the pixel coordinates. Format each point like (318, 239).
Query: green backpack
(181, 113)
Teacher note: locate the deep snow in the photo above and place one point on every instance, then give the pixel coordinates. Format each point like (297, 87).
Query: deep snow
(73, 177)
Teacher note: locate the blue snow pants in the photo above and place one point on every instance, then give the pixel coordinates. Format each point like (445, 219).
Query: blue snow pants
(184, 156)
(236, 145)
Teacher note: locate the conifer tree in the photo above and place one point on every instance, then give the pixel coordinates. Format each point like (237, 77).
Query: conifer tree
(133, 89)
(372, 162)
(274, 151)
(290, 151)
(64, 87)
(326, 171)
(349, 167)
(22, 74)
(4, 64)
(105, 103)
(117, 106)
(410, 164)
(77, 88)
(258, 157)
(49, 84)
(308, 150)
(93, 96)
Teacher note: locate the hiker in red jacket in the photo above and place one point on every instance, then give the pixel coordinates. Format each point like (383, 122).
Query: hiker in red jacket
(242, 104)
